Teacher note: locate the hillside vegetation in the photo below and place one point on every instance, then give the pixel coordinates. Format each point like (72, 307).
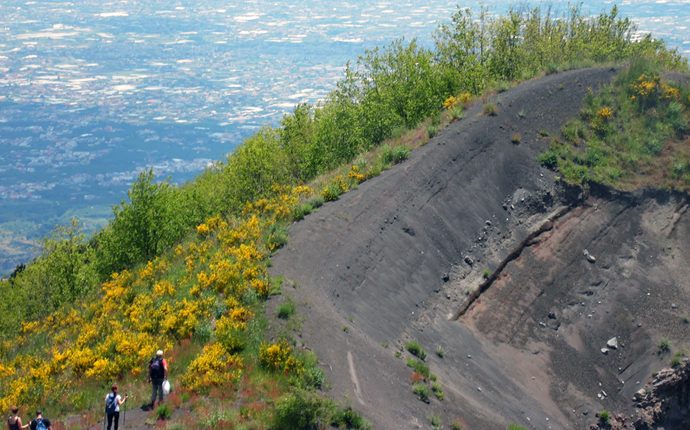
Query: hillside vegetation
(633, 134)
(184, 268)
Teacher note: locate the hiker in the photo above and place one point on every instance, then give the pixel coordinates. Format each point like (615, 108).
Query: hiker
(158, 372)
(112, 407)
(14, 422)
(40, 423)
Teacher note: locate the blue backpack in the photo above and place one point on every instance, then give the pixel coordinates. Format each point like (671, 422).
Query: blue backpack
(110, 403)
(40, 425)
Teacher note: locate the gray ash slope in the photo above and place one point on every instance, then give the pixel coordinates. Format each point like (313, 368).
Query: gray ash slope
(387, 263)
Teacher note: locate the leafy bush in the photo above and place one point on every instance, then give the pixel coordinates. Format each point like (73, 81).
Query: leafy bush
(490, 109)
(394, 154)
(416, 349)
(455, 425)
(286, 309)
(604, 417)
(437, 390)
(421, 390)
(302, 210)
(419, 367)
(301, 411)
(164, 412)
(549, 159)
(277, 236)
(315, 202)
(348, 418)
(664, 346)
(331, 192)
(440, 352)
(676, 360)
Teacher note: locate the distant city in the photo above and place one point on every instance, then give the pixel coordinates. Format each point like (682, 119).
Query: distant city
(93, 91)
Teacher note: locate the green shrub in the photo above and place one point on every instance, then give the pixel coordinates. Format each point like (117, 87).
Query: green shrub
(416, 349)
(604, 417)
(435, 422)
(301, 411)
(316, 202)
(277, 236)
(348, 418)
(312, 375)
(394, 154)
(302, 210)
(675, 361)
(664, 346)
(680, 168)
(548, 159)
(516, 427)
(421, 390)
(516, 138)
(456, 112)
(331, 192)
(440, 352)
(456, 425)
(432, 131)
(574, 131)
(286, 309)
(164, 412)
(203, 332)
(419, 367)
(437, 390)
(490, 109)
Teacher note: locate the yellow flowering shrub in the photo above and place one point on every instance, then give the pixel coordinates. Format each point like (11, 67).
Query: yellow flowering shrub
(605, 113)
(6, 371)
(450, 102)
(202, 229)
(213, 367)
(279, 357)
(465, 97)
(645, 86)
(156, 305)
(356, 174)
(163, 288)
(669, 92)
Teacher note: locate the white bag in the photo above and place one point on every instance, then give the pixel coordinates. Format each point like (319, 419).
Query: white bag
(166, 387)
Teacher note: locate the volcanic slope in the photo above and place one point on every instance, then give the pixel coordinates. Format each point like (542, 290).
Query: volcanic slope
(405, 257)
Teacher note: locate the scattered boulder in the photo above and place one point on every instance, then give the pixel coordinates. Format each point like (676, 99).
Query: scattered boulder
(469, 260)
(604, 351)
(612, 343)
(592, 259)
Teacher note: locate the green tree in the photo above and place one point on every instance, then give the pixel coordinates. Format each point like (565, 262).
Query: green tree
(64, 272)
(152, 220)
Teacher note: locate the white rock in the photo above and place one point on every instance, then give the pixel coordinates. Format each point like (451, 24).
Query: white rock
(612, 343)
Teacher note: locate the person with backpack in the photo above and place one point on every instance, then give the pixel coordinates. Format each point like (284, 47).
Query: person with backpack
(158, 373)
(40, 423)
(14, 422)
(112, 407)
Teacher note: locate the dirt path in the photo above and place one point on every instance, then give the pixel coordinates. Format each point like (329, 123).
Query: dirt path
(396, 260)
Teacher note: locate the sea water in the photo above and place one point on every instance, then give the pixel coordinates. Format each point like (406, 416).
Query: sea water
(94, 91)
